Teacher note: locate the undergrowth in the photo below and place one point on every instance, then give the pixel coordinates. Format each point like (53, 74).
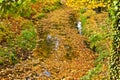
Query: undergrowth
(97, 28)
(12, 47)
(18, 36)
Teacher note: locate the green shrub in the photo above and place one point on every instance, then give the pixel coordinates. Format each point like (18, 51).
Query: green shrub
(5, 36)
(102, 56)
(13, 58)
(16, 8)
(22, 43)
(83, 20)
(27, 38)
(94, 41)
(7, 55)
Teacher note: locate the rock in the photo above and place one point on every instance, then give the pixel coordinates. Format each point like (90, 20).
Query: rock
(46, 73)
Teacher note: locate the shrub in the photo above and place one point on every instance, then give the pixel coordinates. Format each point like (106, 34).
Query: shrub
(16, 7)
(27, 38)
(8, 56)
(94, 40)
(18, 45)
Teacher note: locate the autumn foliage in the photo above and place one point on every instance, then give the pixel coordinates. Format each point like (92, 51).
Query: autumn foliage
(67, 55)
(87, 4)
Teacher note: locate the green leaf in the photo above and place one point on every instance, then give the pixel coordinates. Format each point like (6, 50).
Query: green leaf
(1, 1)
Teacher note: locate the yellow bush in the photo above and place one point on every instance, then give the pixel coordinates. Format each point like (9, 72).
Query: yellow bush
(78, 4)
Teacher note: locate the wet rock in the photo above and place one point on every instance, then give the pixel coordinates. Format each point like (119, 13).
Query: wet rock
(48, 38)
(52, 42)
(47, 73)
(56, 43)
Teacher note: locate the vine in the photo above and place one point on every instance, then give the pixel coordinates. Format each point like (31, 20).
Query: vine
(115, 52)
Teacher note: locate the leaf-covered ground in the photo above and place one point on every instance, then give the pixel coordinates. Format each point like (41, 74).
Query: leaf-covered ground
(70, 61)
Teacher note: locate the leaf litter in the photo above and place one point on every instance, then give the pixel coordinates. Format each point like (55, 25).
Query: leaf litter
(70, 61)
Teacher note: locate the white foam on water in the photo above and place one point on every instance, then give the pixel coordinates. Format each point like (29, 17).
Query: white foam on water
(79, 26)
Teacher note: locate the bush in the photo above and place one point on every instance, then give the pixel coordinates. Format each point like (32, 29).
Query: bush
(16, 8)
(12, 47)
(94, 41)
(27, 38)
(6, 55)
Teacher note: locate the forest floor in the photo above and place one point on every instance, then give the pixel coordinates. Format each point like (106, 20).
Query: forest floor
(70, 61)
